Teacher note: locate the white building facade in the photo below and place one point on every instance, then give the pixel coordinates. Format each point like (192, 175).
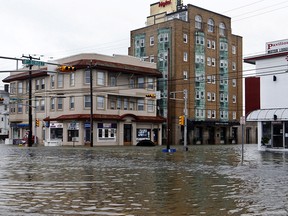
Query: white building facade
(4, 113)
(122, 113)
(272, 118)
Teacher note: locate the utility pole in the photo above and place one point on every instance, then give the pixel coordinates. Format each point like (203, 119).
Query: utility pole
(185, 121)
(30, 141)
(91, 110)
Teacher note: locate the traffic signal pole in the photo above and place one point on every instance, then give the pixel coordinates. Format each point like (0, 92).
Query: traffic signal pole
(185, 119)
(30, 141)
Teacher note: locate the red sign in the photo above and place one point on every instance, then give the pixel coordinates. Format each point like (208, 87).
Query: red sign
(165, 3)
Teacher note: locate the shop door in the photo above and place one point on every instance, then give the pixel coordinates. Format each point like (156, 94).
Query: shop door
(127, 134)
(278, 135)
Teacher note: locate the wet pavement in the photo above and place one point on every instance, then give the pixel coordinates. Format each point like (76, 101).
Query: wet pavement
(136, 181)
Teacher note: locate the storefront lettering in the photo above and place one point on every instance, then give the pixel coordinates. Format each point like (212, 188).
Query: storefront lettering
(165, 3)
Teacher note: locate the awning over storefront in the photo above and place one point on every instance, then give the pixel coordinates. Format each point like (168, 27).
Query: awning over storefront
(280, 114)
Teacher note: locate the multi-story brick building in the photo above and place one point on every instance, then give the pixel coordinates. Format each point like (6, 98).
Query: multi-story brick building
(195, 49)
(122, 114)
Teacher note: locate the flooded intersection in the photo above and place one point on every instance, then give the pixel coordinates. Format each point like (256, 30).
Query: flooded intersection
(206, 180)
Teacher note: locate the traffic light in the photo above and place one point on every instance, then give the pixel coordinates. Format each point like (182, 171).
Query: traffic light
(151, 95)
(181, 120)
(64, 68)
(37, 122)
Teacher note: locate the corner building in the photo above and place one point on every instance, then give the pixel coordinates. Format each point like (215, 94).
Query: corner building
(122, 114)
(195, 50)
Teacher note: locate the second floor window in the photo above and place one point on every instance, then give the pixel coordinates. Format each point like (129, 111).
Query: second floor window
(150, 84)
(60, 81)
(20, 87)
(87, 101)
(60, 103)
(87, 76)
(72, 79)
(140, 105)
(72, 102)
(141, 83)
(100, 102)
(100, 78)
(52, 104)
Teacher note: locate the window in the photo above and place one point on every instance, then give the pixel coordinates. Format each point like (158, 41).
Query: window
(87, 101)
(87, 76)
(213, 79)
(234, 50)
(37, 84)
(208, 44)
(209, 114)
(152, 41)
(125, 104)
(119, 103)
(113, 81)
(131, 83)
(52, 81)
(60, 103)
(43, 84)
(209, 79)
(210, 25)
(52, 103)
(131, 105)
(72, 102)
(107, 133)
(150, 84)
(152, 60)
(200, 40)
(185, 56)
(234, 115)
(222, 29)
(223, 46)
(185, 38)
(164, 37)
(19, 108)
(200, 59)
(198, 22)
(20, 87)
(60, 81)
(185, 75)
(100, 102)
(233, 66)
(213, 96)
(112, 104)
(140, 105)
(100, 78)
(141, 83)
(213, 44)
(223, 63)
(72, 79)
(150, 106)
(209, 61)
(213, 114)
(234, 82)
(208, 96)
(42, 105)
(213, 62)
(234, 98)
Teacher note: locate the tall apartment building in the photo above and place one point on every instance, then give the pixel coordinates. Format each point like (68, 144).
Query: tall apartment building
(123, 114)
(195, 49)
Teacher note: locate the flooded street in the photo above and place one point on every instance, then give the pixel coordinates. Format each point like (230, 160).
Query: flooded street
(136, 181)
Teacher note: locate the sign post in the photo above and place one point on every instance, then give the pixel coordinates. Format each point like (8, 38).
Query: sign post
(242, 122)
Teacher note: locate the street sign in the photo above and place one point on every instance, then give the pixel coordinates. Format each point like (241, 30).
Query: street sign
(33, 62)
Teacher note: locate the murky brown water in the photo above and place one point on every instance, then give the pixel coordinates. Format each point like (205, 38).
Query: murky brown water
(135, 181)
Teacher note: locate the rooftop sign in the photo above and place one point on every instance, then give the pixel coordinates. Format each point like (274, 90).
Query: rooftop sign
(277, 46)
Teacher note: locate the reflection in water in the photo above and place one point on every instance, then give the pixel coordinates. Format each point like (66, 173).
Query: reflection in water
(206, 180)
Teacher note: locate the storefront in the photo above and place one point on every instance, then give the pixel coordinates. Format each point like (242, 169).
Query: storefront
(272, 127)
(55, 134)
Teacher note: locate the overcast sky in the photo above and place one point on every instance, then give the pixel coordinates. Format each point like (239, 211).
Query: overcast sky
(58, 28)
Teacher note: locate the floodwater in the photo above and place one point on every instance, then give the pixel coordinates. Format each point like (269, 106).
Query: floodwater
(136, 181)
